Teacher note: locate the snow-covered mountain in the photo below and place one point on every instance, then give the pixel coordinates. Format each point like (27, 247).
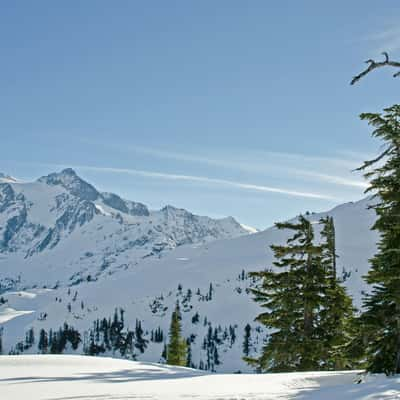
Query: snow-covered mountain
(71, 254)
(61, 230)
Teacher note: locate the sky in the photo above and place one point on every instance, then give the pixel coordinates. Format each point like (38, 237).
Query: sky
(238, 108)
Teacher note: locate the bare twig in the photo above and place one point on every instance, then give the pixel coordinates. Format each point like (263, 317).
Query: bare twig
(373, 65)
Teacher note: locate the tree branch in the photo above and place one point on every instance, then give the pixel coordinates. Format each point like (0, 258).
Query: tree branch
(374, 65)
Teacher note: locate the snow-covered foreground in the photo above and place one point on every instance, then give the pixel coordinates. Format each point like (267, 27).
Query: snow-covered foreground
(85, 378)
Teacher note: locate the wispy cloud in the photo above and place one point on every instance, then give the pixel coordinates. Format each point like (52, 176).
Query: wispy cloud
(259, 162)
(207, 180)
(248, 160)
(337, 180)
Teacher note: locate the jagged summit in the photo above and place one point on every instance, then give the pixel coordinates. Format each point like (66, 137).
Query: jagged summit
(68, 179)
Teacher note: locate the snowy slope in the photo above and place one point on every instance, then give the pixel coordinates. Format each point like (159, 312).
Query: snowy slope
(208, 279)
(86, 378)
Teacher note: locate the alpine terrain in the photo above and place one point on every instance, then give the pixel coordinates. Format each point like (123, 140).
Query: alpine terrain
(87, 272)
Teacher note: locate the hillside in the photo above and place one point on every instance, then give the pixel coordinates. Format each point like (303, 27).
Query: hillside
(207, 274)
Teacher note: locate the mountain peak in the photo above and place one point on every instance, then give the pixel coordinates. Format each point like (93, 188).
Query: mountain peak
(68, 179)
(69, 171)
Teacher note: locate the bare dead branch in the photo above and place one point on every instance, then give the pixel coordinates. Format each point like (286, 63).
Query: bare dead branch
(374, 65)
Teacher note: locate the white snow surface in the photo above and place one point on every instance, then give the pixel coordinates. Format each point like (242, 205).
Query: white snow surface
(9, 313)
(95, 378)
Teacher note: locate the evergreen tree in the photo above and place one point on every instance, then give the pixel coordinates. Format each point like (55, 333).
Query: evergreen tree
(216, 356)
(246, 341)
(337, 312)
(177, 348)
(164, 352)
(293, 297)
(54, 345)
(381, 319)
(195, 318)
(210, 292)
(29, 339)
(141, 342)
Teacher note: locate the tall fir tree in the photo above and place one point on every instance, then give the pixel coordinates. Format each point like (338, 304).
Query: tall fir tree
(293, 297)
(337, 312)
(177, 348)
(381, 318)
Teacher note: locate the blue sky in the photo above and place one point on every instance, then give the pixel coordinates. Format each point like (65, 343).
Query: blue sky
(236, 108)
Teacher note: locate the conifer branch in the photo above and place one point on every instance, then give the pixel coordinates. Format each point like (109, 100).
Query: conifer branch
(377, 64)
(374, 161)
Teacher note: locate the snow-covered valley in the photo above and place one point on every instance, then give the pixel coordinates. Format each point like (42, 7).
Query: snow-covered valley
(70, 254)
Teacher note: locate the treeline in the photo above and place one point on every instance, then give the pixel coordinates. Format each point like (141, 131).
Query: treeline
(111, 335)
(178, 350)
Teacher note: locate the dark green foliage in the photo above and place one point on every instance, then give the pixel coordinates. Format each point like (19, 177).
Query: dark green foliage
(140, 342)
(58, 340)
(337, 313)
(164, 353)
(29, 339)
(381, 319)
(210, 292)
(246, 341)
(177, 348)
(195, 318)
(107, 335)
(292, 297)
(298, 298)
(157, 336)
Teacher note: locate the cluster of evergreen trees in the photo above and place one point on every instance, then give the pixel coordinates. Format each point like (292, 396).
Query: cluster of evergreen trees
(55, 342)
(311, 316)
(307, 308)
(379, 324)
(112, 335)
(178, 350)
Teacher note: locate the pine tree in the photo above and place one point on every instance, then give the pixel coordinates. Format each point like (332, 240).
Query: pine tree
(246, 341)
(337, 312)
(381, 319)
(164, 352)
(293, 299)
(177, 348)
(54, 345)
(141, 342)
